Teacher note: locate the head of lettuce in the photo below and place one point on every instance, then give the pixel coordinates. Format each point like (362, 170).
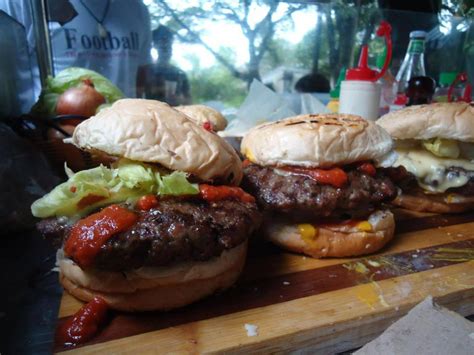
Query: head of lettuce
(70, 78)
(164, 225)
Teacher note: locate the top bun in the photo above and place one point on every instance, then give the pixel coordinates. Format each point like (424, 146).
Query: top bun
(153, 132)
(441, 120)
(321, 140)
(202, 114)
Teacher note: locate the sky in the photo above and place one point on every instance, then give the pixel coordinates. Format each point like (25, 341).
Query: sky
(226, 34)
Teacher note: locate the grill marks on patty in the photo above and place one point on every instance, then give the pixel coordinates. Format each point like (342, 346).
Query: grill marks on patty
(174, 231)
(302, 198)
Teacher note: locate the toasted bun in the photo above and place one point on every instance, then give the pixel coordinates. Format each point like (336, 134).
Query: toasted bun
(202, 114)
(153, 132)
(316, 141)
(436, 203)
(154, 288)
(336, 241)
(444, 120)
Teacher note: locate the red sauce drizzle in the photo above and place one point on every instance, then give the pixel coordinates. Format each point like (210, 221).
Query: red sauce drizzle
(246, 163)
(89, 234)
(147, 202)
(88, 200)
(84, 324)
(217, 193)
(335, 176)
(207, 126)
(367, 168)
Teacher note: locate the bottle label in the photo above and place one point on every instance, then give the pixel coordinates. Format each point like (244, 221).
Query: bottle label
(416, 46)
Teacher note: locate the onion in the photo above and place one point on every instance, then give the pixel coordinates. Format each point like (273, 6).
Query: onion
(82, 100)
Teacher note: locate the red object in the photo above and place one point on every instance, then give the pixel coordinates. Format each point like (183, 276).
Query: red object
(89, 234)
(147, 202)
(367, 168)
(466, 97)
(401, 99)
(73, 189)
(246, 163)
(217, 193)
(207, 126)
(88, 200)
(84, 324)
(335, 176)
(362, 71)
(82, 100)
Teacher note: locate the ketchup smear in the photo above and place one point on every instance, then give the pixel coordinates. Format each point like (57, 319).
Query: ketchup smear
(217, 193)
(147, 202)
(84, 324)
(335, 176)
(89, 234)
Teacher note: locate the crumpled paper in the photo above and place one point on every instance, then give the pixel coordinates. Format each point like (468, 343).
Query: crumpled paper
(264, 105)
(426, 329)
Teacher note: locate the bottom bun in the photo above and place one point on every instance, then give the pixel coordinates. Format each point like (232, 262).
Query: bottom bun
(160, 288)
(436, 203)
(335, 240)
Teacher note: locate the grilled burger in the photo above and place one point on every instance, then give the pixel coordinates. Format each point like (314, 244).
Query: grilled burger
(163, 226)
(317, 181)
(435, 165)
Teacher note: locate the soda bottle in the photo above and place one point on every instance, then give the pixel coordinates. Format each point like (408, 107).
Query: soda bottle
(413, 64)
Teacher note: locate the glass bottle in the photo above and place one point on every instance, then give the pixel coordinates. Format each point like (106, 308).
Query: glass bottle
(413, 64)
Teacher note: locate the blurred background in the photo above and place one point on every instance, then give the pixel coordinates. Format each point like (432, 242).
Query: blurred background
(216, 48)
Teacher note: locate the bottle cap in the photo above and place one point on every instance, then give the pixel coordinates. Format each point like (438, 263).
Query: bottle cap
(447, 78)
(362, 71)
(418, 34)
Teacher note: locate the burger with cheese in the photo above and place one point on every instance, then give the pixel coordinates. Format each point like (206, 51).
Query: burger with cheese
(161, 227)
(318, 181)
(435, 164)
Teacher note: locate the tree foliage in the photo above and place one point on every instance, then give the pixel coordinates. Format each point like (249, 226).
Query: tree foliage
(187, 24)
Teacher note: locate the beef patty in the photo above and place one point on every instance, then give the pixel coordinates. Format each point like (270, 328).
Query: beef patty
(302, 198)
(174, 231)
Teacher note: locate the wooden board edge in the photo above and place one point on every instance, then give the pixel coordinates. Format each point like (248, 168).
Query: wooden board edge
(305, 327)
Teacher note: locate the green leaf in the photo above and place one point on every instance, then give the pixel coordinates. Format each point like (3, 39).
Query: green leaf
(126, 182)
(73, 77)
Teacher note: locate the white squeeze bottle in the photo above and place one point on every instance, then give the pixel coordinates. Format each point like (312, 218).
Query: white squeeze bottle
(360, 92)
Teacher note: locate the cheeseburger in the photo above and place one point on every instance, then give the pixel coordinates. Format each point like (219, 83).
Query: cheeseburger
(164, 225)
(204, 116)
(435, 164)
(316, 177)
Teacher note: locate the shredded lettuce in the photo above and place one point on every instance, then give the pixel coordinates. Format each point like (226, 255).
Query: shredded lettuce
(444, 148)
(72, 77)
(127, 181)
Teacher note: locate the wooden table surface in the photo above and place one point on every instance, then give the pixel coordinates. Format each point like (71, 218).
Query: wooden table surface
(297, 302)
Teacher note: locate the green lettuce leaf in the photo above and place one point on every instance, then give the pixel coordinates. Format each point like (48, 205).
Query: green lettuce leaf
(68, 78)
(87, 190)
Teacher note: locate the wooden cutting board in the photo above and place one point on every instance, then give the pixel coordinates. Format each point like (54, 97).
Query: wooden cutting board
(297, 302)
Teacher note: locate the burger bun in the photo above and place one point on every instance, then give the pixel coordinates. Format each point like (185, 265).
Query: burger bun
(335, 241)
(161, 288)
(316, 140)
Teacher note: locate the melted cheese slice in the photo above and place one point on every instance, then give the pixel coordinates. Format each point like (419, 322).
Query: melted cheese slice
(431, 171)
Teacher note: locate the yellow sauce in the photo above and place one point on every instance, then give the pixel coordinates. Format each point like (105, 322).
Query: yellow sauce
(307, 231)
